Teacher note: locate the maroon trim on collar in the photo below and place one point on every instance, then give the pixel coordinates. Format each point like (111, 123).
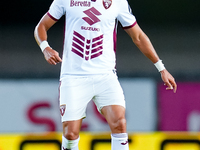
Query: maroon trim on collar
(131, 25)
(51, 16)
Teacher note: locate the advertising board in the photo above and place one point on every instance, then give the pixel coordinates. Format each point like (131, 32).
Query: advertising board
(101, 141)
(180, 111)
(33, 106)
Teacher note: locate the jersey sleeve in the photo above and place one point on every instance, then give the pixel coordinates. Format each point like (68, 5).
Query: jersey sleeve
(56, 10)
(125, 16)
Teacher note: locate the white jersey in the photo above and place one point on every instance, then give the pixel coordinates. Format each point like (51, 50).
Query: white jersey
(90, 33)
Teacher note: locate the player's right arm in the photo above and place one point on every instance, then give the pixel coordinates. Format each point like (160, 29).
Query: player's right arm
(40, 35)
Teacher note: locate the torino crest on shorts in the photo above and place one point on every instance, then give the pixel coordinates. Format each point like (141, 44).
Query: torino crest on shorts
(62, 109)
(107, 3)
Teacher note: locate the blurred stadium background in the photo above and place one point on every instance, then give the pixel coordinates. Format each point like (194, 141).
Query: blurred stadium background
(156, 119)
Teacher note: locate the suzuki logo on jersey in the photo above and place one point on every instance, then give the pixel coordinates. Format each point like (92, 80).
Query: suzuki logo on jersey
(87, 48)
(92, 14)
(107, 3)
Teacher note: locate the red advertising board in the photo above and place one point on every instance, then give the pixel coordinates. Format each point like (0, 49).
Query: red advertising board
(179, 111)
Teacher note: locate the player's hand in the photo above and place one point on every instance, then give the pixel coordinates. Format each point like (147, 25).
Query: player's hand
(168, 80)
(51, 56)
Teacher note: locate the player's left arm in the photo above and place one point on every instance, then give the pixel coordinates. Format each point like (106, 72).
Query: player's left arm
(144, 44)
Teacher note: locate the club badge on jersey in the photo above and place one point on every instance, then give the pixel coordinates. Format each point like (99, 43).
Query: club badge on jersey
(107, 3)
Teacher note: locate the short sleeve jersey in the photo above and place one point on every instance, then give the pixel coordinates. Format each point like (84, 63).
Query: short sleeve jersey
(90, 33)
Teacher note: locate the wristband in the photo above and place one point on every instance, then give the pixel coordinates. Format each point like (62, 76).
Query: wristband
(43, 45)
(159, 65)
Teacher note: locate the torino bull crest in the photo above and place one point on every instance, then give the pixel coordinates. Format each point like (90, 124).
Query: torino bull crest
(107, 3)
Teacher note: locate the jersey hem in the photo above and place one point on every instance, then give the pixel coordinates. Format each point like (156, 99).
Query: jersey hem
(51, 16)
(131, 25)
(87, 74)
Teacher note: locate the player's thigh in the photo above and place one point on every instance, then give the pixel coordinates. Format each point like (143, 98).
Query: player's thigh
(115, 116)
(113, 113)
(74, 97)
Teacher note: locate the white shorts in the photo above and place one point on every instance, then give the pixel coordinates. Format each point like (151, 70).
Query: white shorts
(77, 91)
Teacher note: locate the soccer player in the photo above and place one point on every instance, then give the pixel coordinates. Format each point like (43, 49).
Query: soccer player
(88, 63)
